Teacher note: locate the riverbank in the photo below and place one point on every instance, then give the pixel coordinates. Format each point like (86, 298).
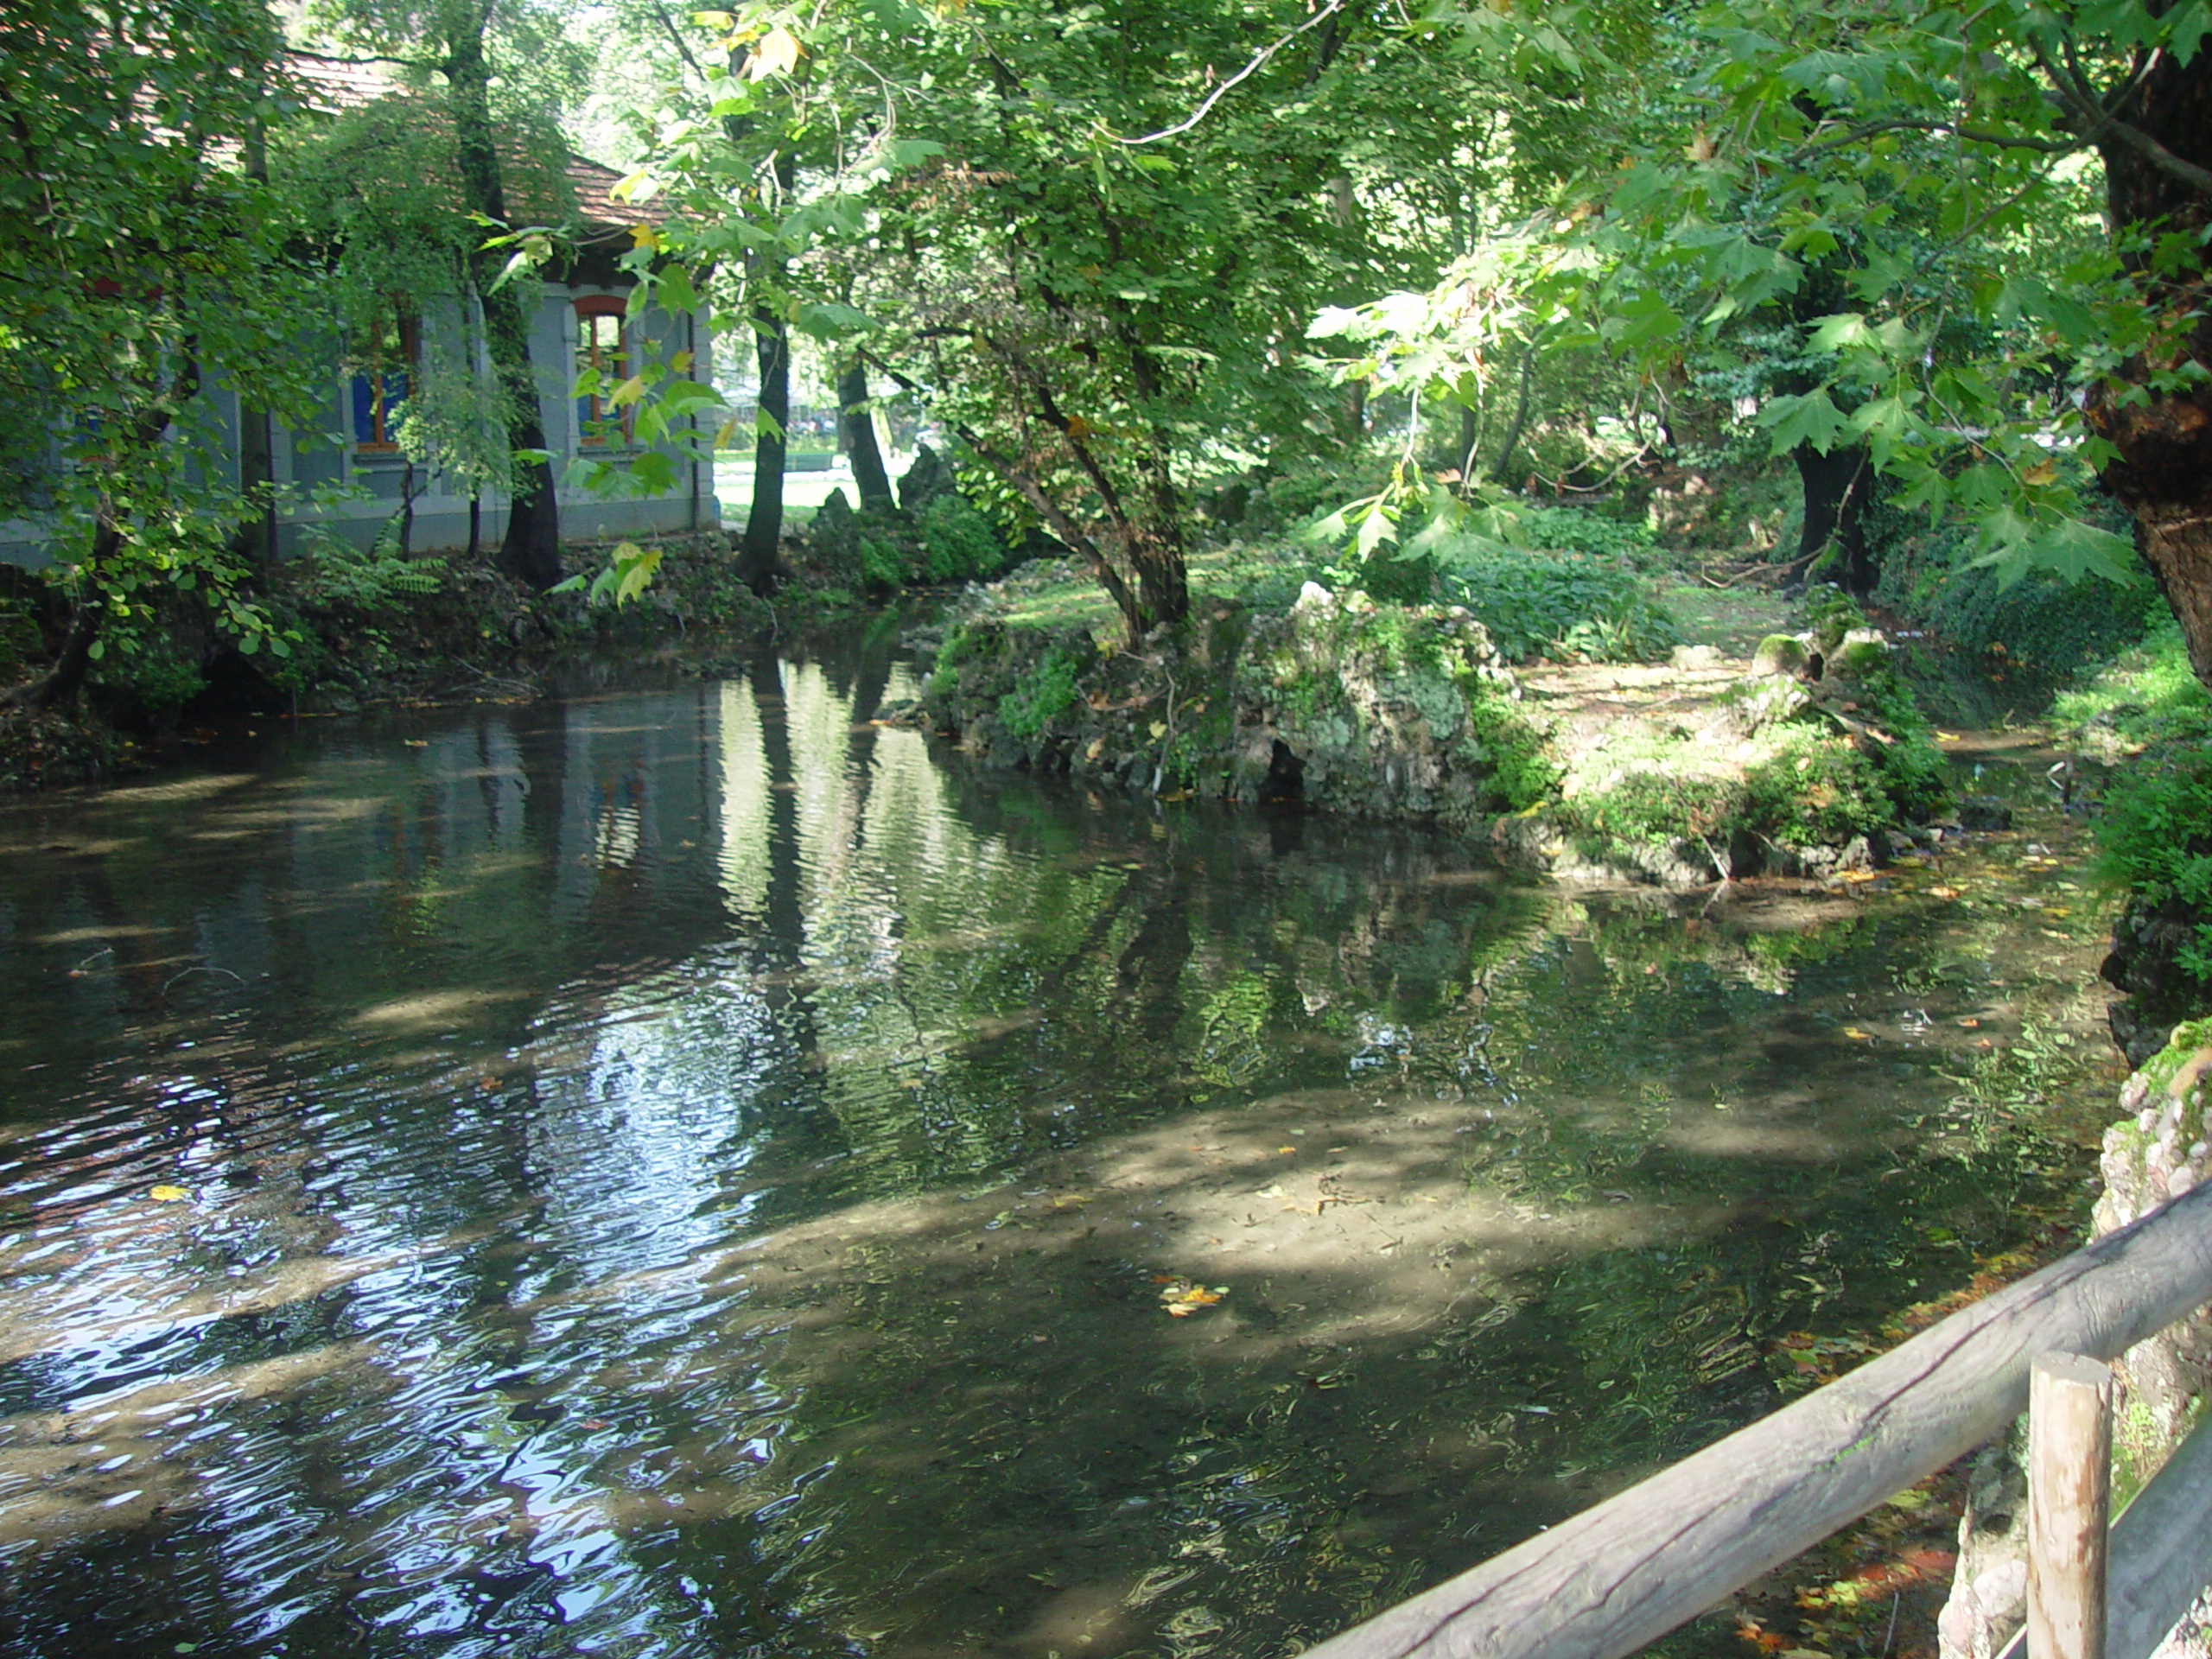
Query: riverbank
(358, 630)
(1806, 757)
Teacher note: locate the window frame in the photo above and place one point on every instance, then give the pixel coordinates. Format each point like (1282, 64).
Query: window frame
(380, 444)
(596, 424)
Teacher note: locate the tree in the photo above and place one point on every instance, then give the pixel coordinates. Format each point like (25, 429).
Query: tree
(1108, 269)
(2094, 369)
(726, 148)
(141, 267)
(1088, 249)
(375, 189)
(472, 44)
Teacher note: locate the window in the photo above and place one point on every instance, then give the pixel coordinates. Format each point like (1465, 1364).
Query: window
(600, 348)
(380, 384)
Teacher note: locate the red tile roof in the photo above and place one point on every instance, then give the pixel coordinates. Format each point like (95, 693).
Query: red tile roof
(333, 85)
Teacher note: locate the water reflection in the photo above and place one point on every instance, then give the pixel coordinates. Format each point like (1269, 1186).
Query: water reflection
(692, 1174)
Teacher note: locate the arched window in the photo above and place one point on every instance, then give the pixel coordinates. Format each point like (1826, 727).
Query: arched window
(601, 349)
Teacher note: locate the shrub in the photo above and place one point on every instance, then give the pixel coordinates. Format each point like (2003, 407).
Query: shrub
(2039, 622)
(880, 569)
(1537, 605)
(1520, 764)
(145, 662)
(2156, 836)
(958, 542)
(344, 576)
(1581, 530)
(1045, 693)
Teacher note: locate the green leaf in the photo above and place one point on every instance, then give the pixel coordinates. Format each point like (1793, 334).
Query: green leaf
(1373, 530)
(1835, 333)
(677, 293)
(2186, 26)
(828, 320)
(1812, 419)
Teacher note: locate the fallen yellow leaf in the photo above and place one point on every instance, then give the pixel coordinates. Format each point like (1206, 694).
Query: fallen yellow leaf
(167, 1194)
(1853, 1030)
(1181, 1297)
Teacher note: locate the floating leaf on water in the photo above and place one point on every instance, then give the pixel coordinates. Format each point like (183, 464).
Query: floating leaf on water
(1853, 1030)
(166, 1193)
(1181, 1297)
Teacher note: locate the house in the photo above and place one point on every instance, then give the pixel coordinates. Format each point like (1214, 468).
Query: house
(352, 476)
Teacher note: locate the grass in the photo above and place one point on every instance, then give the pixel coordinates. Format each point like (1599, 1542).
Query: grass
(1733, 619)
(803, 492)
(1065, 595)
(2147, 692)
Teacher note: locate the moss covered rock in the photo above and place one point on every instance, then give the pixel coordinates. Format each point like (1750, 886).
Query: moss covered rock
(1673, 776)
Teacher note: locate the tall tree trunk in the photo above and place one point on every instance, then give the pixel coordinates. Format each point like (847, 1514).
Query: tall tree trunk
(758, 564)
(859, 423)
(530, 552)
(1836, 486)
(2164, 472)
(256, 540)
(1520, 411)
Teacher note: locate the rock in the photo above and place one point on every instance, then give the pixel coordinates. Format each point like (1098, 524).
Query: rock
(1983, 813)
(2145, 964)
(833, 542)
(926, 480)
(1689, 657)
(1782, 653)
(1862, 657)
(1754, 703)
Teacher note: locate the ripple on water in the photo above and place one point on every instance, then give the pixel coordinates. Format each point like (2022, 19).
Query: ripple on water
(690, 1174)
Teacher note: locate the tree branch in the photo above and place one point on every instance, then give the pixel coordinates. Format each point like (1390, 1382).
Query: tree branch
(2081, 102)
(1976, 135)
(1259, 61)
(1064, 524)
(361, 62)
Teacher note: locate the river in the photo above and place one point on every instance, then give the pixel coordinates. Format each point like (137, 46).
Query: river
(693, 1172)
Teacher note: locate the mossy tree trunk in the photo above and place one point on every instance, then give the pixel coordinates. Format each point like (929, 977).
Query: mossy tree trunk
(2160, 422)
(870, 475)
(1835, 486)
(530, 552)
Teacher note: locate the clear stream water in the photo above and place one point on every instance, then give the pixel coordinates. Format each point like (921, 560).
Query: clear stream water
(693, 1173)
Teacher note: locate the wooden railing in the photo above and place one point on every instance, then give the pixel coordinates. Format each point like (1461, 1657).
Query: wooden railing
(1624, 1572)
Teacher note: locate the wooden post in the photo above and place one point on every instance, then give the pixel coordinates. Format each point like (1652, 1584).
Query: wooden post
(2161, 1552)
(2069, 1490)
(1617, 1577)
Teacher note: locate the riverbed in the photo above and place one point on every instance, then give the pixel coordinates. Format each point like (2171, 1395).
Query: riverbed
(695, 1172)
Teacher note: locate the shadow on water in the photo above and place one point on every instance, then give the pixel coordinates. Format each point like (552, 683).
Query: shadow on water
(693, 1173)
